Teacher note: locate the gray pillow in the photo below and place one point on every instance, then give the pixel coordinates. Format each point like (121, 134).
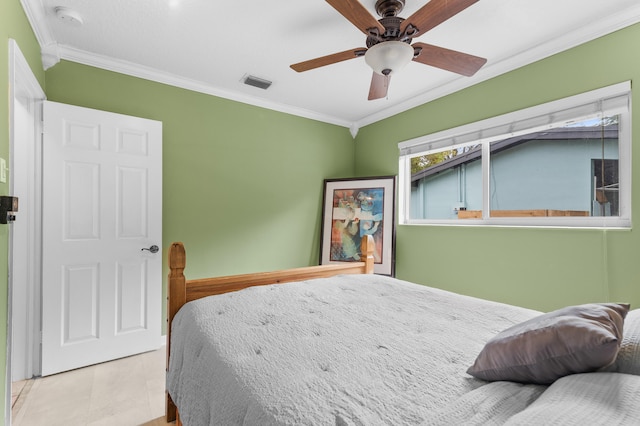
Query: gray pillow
(575, 339)
(628, 360)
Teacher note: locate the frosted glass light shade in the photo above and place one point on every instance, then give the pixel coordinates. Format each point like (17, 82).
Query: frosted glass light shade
(388, 57)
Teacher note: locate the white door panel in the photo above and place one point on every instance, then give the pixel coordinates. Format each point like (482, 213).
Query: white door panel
(102, 204)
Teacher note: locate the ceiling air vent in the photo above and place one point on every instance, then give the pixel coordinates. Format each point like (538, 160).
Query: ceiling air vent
(257, 82)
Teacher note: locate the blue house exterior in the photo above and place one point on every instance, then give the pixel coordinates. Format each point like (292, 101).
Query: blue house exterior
(558, 169)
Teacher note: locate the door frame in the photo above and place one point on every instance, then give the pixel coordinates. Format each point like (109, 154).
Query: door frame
(24, 85)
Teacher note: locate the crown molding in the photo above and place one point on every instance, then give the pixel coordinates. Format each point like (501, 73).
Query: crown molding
(36, 15)
(567, 41)
(152, 74)
(52, 53)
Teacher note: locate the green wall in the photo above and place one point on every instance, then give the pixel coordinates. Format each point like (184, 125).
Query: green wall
(537, 268)
(13, 25)
(242, 184)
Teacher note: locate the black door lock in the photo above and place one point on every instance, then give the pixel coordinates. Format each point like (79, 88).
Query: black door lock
(8, 206)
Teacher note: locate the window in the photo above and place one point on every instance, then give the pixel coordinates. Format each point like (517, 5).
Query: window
(565, 163)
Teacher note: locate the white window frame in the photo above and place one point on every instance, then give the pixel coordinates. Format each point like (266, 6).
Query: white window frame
(615, 99)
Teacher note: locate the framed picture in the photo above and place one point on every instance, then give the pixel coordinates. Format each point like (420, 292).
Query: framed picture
(353, 208)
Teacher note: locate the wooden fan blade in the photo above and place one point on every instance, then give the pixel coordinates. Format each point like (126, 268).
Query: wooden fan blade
(433, 14)
(357, 14)
(379, 86)
(329, 59)
(450, 60)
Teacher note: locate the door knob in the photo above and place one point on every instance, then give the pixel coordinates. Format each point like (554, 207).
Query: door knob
(153, 249)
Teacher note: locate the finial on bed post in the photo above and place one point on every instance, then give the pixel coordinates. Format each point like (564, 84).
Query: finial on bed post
(366, 248)
(176, 297)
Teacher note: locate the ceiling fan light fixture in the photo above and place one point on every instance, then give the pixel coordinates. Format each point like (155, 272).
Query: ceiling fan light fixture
(388, 57)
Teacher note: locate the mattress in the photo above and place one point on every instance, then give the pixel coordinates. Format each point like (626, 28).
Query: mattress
(347, 350)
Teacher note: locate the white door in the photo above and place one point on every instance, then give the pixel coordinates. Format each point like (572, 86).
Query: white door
(102, 211)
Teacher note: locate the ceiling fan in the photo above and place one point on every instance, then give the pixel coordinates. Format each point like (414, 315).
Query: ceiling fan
(389, 40)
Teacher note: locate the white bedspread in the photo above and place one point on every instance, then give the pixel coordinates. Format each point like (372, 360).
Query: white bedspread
(350, 350)
(586, 399)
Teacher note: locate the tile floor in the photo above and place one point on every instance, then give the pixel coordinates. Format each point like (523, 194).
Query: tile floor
(128, 391)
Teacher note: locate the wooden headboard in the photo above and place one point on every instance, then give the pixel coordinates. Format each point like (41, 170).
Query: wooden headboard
(180, 290)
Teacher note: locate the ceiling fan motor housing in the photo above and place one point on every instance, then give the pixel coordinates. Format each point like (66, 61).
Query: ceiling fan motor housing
(391, 32)
(389, 10)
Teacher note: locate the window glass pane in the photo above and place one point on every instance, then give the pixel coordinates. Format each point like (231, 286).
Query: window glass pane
(563, 163)
(446, 184)
(564, 171)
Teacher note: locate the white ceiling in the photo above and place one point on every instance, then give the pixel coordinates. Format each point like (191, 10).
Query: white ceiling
(210, 45)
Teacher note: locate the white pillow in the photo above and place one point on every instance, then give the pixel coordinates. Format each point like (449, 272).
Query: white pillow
(628, 359)
(585, 399)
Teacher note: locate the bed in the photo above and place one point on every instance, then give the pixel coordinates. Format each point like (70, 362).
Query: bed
(338, 345)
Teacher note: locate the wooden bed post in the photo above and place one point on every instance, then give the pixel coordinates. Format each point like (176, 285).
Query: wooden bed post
(176, 297)
(367, 247)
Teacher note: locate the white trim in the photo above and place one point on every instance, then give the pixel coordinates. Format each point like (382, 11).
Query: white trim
(532, 222)
(569, 40)
(486, 181)
(20, 73)
(50, 55)
(158, 76)
(37, 18)
(403, 210)
(522, 114)
(594, 30)
(23, 84)
(625, 165)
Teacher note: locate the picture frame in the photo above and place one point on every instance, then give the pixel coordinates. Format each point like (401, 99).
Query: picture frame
(355, 207)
